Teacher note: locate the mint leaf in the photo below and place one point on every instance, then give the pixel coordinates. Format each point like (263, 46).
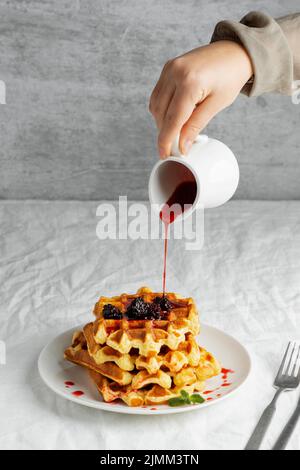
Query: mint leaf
(195, 398)
(185, 396)
(186, 399)
(176, 401)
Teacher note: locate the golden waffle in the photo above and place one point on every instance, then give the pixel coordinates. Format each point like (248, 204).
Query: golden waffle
(160, 396)
(103, 354)
(143, 379)
(138, 380)
(144, 361)
(188, 354)
(156, 395)
(208, 366)
(80, 356)
(147, 336)
(112, 391)
(179, 375)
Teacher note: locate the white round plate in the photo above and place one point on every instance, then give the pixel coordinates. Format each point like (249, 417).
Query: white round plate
(73, 383)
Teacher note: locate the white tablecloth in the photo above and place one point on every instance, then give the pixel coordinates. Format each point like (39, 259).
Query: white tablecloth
(246, 280)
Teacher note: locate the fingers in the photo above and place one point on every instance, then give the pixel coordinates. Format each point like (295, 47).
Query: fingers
(159, 105)
(178, 113)
(199, 119)
(158, 101)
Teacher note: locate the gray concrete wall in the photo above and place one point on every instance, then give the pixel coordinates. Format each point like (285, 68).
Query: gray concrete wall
(78, 76)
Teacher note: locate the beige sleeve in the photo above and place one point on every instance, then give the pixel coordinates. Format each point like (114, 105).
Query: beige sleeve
(273, 46)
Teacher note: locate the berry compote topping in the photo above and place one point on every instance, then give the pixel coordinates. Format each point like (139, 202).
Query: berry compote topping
(164, 303)
(138, 309)
(110, 312)
(141, 310)
(154, 312)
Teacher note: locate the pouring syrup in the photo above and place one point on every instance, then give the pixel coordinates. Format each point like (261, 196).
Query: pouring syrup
(183, 196)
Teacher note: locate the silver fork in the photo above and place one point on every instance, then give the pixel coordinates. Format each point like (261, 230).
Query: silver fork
(288, 378)
(289, 428)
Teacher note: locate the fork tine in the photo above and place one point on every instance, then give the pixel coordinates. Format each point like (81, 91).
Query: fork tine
(290, 363)
(296, 365)
(284, 360)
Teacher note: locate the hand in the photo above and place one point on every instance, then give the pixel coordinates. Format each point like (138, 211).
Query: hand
(193, 88)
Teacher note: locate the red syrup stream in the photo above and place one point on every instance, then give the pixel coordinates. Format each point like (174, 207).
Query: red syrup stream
(183, 197)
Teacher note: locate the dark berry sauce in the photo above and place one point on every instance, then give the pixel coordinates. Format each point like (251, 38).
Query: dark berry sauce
(110, 312)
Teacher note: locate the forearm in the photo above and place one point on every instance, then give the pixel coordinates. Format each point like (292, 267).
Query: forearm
(273, 47)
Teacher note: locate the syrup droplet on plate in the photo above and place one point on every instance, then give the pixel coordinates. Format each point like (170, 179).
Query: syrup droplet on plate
(77, 393)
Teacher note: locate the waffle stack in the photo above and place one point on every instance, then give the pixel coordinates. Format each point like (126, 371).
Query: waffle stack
(144, 361)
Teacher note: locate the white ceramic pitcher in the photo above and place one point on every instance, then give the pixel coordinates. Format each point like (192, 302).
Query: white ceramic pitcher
(210, 163)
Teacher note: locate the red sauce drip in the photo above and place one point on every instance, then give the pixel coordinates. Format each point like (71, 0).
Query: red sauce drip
(78, 393)
(184, 194)
(227, 371)
(209, 399)
(69, 384)
(165, 257)
(154, 409)
(225, 383)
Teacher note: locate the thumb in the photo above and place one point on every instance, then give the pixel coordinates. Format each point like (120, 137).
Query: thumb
(199, 119)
